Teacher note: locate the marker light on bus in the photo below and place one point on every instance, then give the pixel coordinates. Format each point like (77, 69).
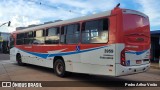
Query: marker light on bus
(123, 58)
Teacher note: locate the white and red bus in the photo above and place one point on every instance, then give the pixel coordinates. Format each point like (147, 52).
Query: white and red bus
(115, 43)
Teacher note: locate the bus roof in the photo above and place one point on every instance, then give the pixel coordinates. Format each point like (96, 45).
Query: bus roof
(102, 14)
(129, 11)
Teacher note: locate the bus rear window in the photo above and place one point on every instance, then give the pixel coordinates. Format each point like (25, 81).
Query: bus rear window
(133, 21)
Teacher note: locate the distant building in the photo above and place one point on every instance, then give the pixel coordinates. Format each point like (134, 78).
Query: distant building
(155, 45)
(4, 41)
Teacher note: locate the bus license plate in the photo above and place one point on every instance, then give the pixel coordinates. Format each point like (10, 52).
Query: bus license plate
(138, 61)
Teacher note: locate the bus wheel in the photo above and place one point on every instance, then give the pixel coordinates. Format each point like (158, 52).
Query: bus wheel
(19, 60)
(59, 68)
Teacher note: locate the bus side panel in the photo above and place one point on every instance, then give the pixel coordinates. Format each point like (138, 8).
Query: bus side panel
(93, 69)
(30, 58)
(70, 60)
(13, 54)
(98, 61)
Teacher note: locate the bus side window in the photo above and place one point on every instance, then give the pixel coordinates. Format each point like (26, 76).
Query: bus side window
(105, 24)
(85, 34)
(72, 36)
(20, 39)
(95, 31)
(63, 35)
(52, 36)
(38, 37)
(28, 37)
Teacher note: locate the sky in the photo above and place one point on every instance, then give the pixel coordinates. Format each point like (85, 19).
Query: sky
(22, 13)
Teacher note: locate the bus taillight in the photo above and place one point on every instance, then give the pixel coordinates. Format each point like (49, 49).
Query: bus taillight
(123, 59)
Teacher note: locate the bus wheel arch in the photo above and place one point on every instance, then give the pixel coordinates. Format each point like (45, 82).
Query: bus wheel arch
(19, 59)
(59, 66)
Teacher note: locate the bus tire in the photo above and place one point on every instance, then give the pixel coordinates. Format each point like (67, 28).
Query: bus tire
(59, 68)
(19, 59)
